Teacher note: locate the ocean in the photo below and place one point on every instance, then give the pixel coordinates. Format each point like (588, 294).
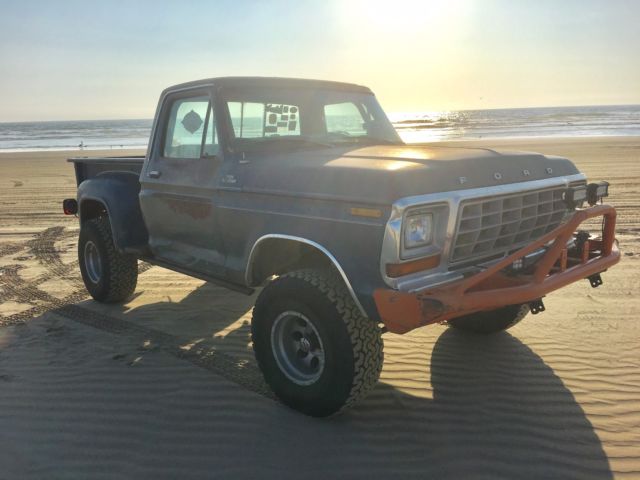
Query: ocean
(620, 120)
(592, 121)
(74, 135)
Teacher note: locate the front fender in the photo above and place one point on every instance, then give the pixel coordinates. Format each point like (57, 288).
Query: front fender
(353, 249)
(118, 193)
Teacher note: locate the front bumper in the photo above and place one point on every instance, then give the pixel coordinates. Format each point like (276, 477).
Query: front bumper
(494, 287)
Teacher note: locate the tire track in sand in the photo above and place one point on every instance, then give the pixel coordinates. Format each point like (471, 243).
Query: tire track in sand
(42, 247)
(208, 357)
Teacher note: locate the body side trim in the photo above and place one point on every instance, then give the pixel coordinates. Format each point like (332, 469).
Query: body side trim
(307, 217)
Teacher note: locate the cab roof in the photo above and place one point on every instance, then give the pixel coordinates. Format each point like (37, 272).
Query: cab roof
(260, 82)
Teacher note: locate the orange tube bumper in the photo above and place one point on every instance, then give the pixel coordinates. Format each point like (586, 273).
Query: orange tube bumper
(493, 288)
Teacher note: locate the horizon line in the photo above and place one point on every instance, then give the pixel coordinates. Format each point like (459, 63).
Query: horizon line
(389, 112)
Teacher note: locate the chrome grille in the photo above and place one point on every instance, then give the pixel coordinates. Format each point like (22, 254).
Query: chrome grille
(493, 226)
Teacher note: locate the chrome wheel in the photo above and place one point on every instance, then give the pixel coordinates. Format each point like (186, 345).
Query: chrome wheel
(297, 348)
(92, 262)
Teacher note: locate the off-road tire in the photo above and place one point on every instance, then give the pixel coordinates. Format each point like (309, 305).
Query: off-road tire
(492, 321)
(119, 272)
(352, 343)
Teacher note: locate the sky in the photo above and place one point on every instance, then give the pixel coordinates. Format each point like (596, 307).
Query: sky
(71, 60)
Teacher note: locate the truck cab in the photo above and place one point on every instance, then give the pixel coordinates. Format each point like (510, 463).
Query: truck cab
(212, 142)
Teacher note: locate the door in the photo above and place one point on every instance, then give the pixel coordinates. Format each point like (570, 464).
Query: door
(178, 195)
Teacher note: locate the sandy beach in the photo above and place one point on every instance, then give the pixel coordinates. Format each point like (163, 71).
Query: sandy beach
(165, 386)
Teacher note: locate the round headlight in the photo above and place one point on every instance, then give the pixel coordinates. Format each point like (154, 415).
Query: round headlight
(418, 230)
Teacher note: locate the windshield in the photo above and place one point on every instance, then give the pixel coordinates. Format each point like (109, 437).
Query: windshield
(305, 118)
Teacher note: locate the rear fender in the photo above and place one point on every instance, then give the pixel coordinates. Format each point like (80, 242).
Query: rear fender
(115, 193)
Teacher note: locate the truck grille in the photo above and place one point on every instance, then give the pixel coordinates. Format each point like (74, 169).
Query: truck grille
(493, 226)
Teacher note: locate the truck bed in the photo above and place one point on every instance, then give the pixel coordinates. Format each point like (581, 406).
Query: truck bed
(87, 167)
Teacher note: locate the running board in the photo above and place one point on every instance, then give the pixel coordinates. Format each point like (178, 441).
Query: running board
(202, 276)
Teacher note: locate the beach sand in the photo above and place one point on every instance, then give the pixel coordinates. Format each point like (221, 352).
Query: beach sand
(166, 386)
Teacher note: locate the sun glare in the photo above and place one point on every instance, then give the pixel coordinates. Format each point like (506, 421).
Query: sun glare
(406, 17)
(411, 51)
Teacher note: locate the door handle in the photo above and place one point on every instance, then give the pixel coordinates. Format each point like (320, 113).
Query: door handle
(155, 174)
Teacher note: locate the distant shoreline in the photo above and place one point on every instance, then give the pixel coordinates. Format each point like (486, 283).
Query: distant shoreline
(395, 112)
(506, 139)
(99, 148)
(488, 141)
(416, 127)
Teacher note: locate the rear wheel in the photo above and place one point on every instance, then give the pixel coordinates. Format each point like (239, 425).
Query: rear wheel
(108, 275)
(316, 350)
(491, 321)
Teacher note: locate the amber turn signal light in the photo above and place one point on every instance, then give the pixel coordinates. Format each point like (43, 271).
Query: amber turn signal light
(395, 270)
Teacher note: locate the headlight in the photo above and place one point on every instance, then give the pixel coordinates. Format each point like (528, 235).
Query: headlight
(574, 197)
(597, 191)
(418, 230)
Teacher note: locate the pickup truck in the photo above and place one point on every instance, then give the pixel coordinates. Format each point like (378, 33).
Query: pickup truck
(304, 189)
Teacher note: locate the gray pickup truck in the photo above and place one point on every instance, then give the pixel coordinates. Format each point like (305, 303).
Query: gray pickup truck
(303, 188)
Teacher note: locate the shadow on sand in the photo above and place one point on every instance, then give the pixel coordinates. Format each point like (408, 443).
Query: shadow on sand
(493, 409)
(497, 410)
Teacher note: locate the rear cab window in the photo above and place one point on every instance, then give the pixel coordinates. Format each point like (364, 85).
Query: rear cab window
(256, 120)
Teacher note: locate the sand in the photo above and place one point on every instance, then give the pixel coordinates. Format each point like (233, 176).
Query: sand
(166, 385)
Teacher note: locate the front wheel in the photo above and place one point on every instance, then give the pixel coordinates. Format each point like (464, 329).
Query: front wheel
(108, 275)
(492, 321)
(316, 350)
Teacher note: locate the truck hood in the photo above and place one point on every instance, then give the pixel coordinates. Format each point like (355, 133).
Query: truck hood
(383, 174)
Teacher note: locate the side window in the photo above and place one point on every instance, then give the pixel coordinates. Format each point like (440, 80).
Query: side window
(251, 119)
(185, 129)
(344, 118)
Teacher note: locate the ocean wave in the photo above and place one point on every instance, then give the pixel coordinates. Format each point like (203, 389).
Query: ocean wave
(412, 127)
(523, 122)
